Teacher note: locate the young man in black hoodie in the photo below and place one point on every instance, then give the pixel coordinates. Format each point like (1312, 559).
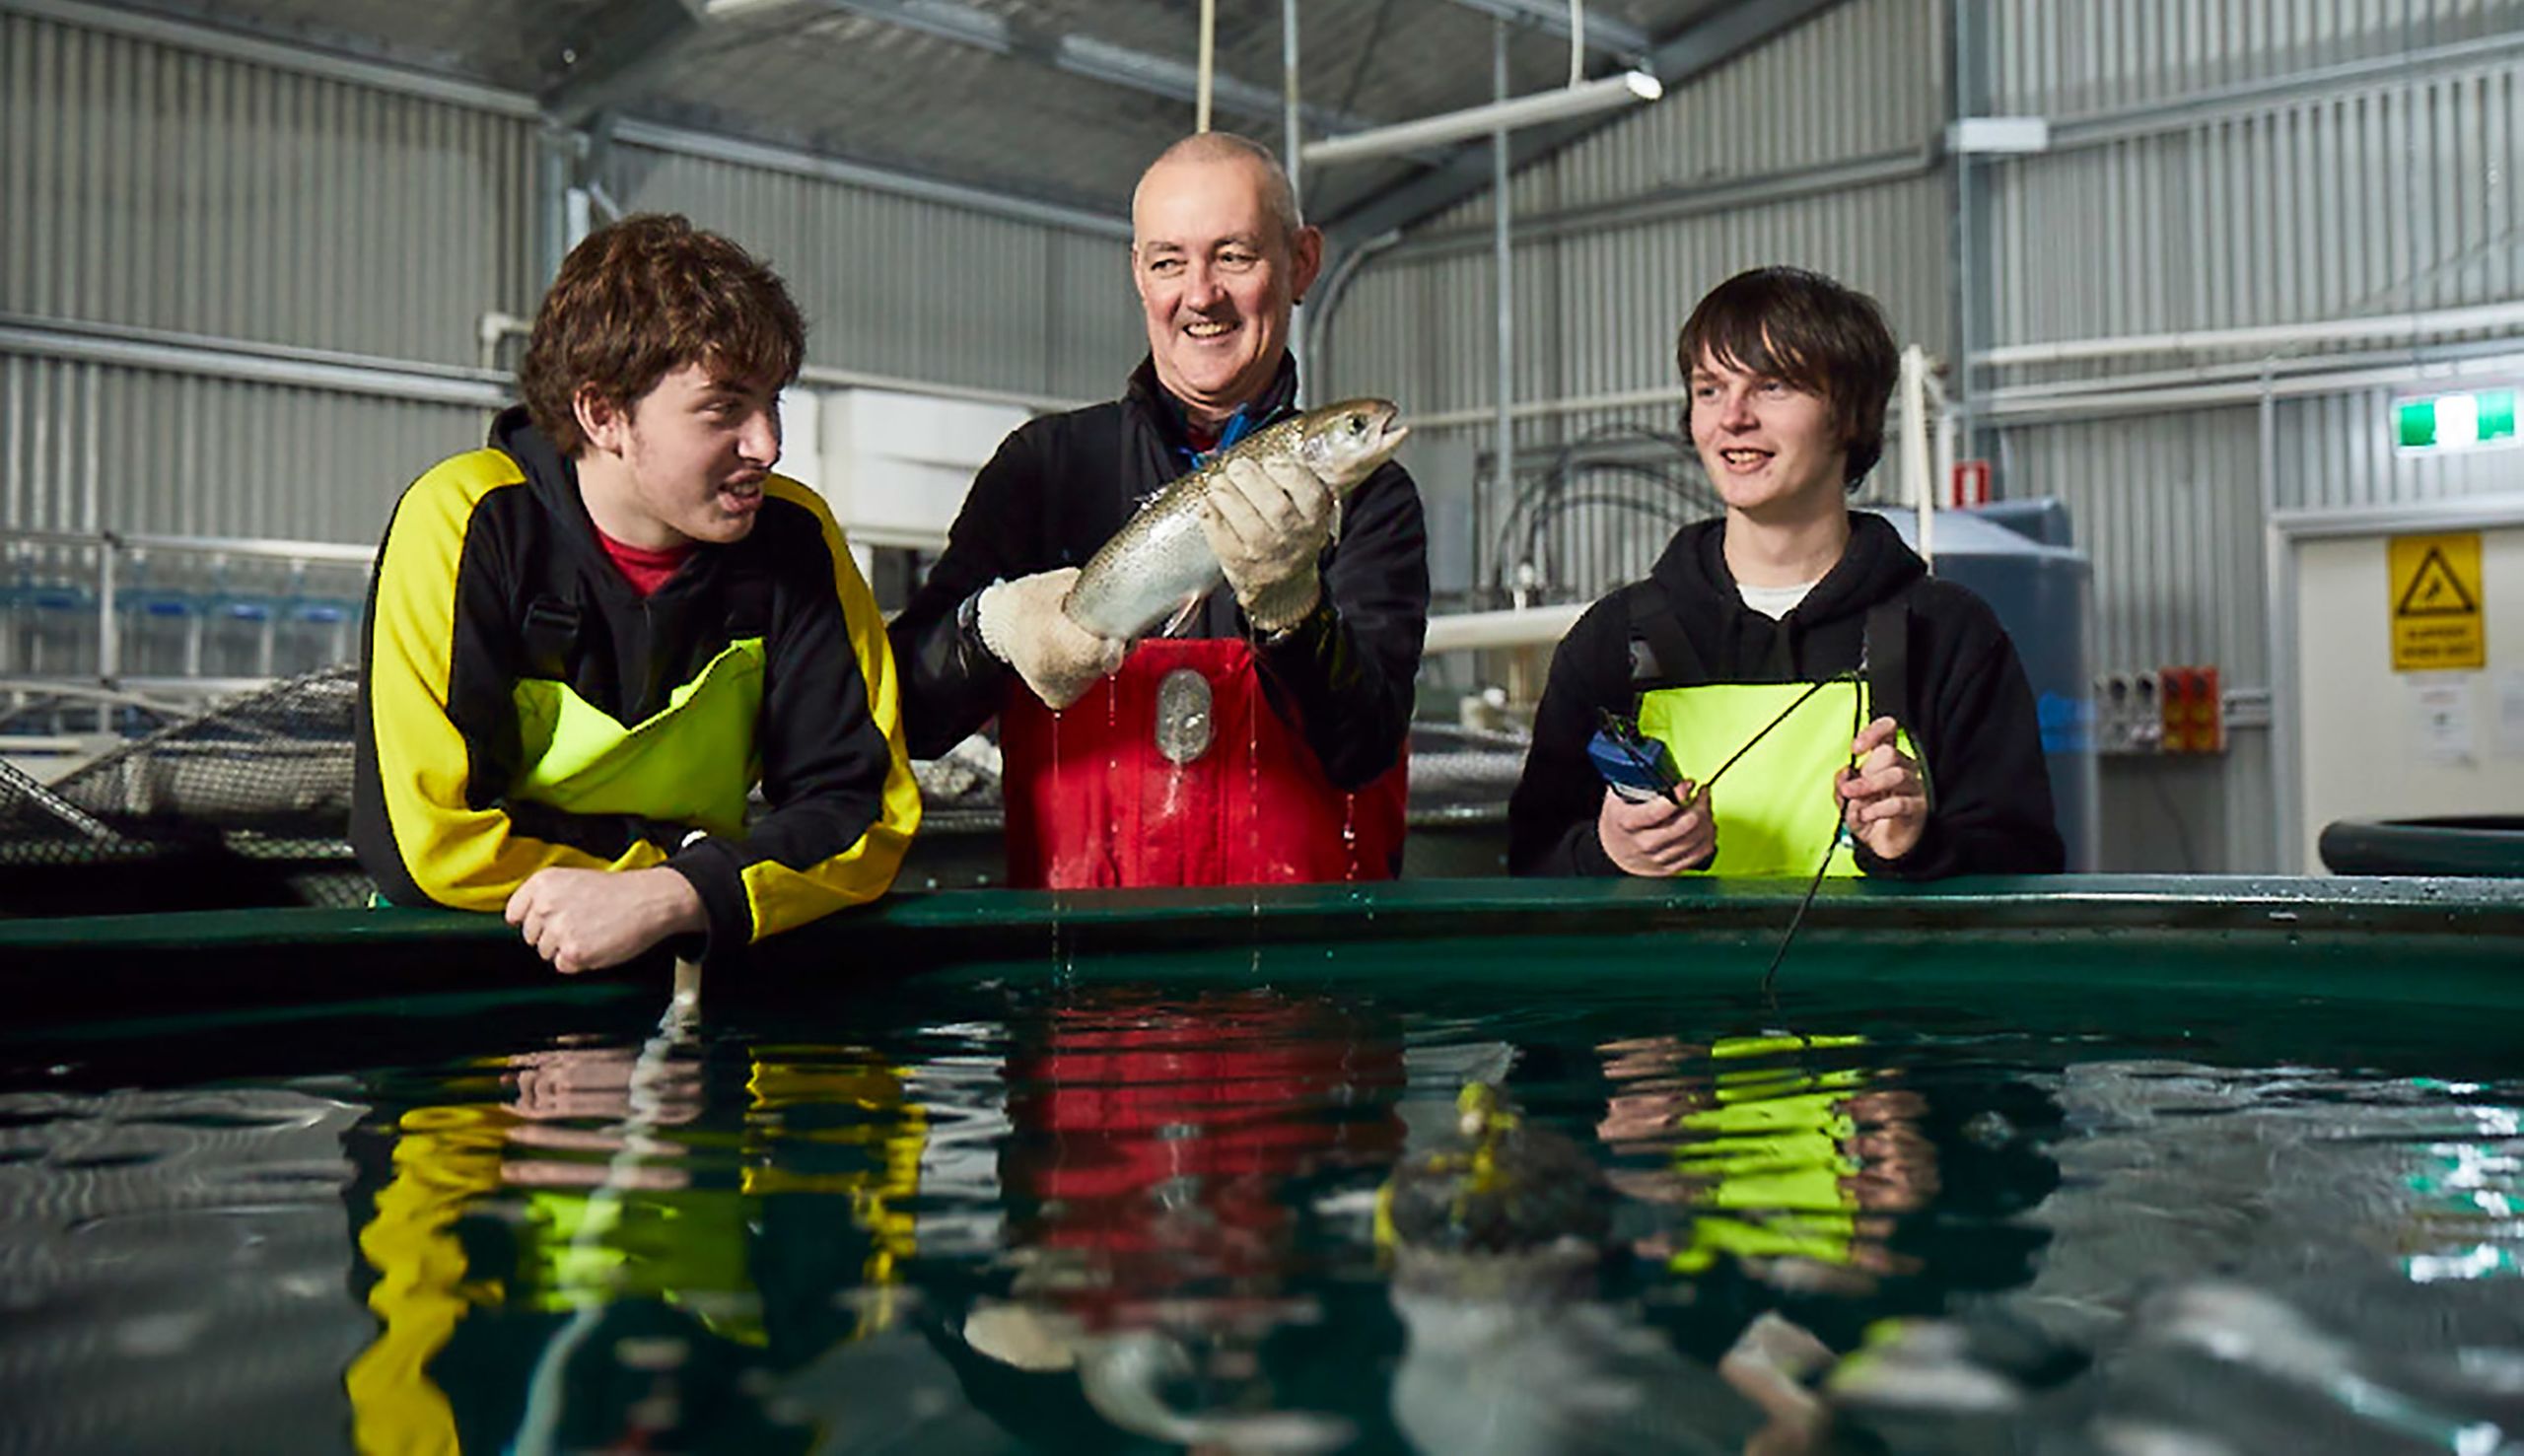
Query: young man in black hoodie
(588, 641)
(1796, 649)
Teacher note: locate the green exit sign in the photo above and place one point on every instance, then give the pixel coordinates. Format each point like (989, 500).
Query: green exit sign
(2454, 421)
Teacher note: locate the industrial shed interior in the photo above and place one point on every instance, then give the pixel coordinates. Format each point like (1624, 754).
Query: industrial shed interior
(2212, 314)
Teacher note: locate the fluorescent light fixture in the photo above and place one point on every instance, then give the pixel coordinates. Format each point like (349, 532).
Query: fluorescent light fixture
(1582, 100)
(1999, 136)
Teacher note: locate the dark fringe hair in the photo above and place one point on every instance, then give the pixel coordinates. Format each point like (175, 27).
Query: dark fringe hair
(1798, 326)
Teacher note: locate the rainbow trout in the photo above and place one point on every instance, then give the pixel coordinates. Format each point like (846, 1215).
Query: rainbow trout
(1160, 561)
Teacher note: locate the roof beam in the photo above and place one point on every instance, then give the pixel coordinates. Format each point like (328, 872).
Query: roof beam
(1701, 47)
(1079, 55)
(617, 52)
(1614, 37)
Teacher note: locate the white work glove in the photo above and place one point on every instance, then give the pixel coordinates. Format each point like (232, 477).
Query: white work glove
(1023, 626)
(1268, 523)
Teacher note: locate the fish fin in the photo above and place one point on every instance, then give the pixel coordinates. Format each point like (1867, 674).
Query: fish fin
(1182, 617)
(1336, 520)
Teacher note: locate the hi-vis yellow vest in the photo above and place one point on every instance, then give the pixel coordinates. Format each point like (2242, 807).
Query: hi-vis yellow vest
(691, 763)
(1776, 813)
(1775, 808)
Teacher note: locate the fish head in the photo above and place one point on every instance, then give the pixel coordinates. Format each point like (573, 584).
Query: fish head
(1345, 442)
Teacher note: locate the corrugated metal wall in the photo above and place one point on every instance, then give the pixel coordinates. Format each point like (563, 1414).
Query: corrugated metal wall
(163, 189)
(900, 286)
(2215, 164)
(154, 182)
(1596, 307)
(86, 446)
(2228, 164)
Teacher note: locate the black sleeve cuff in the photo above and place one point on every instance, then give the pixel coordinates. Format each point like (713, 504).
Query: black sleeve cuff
(711, 866)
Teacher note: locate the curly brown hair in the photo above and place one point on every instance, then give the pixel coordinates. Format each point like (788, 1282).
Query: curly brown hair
(642, 298)
(1818, 335)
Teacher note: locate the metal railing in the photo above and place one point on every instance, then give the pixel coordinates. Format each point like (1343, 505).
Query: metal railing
(85, 610)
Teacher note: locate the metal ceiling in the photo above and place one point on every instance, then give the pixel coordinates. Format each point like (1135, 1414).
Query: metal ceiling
(1053, 101)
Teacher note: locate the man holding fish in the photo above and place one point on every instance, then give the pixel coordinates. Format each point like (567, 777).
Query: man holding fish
(1157, 731)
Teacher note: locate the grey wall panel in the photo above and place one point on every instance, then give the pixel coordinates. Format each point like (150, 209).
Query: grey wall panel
(2057, 57)
(1860, 79)
(2170, 514)
(898, 286)
(1094, 336)
(2336, 452)
(86, 446)
(1597, 313)
(153, 186)
(2382, 198)
(2391, 187)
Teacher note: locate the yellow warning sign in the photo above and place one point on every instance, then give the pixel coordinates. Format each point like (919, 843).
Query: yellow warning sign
(2437, 603)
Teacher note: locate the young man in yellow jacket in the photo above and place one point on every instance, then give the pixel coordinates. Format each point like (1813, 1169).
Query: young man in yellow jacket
(590, 641)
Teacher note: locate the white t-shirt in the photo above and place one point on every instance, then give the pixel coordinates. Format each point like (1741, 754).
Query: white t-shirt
(1775, 603)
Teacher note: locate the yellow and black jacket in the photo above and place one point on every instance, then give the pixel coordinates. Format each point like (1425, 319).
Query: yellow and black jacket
(522, 706)
(1944, 670)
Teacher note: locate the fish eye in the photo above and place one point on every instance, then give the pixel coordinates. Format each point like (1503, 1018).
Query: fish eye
(1357, 424)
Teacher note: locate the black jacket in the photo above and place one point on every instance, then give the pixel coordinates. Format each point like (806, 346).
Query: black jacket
(474, 547)
(1062, 485)
(1970, 711)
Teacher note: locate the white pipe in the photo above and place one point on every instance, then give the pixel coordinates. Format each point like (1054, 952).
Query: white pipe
(1503, 282)
(1915, 446)
(1532, 626)
(2411, 325)
(495, 326)
(2004, 404)
(1560, 104)
(1629, 398)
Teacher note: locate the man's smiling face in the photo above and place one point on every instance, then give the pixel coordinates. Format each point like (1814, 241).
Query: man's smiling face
(1217, 275)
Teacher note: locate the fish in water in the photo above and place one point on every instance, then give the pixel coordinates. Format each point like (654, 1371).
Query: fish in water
(1498, 1241)
(1160, 562)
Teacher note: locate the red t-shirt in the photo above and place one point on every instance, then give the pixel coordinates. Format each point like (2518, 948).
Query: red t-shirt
(644, 569)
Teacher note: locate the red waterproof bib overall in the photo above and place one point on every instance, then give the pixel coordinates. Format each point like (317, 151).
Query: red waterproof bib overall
(1094, 805)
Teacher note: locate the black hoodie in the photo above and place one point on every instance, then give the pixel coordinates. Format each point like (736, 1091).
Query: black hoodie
(1062, 485)
(1970, 713)
(473, 549)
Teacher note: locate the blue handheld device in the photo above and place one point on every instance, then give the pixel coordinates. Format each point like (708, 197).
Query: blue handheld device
(1639, 768)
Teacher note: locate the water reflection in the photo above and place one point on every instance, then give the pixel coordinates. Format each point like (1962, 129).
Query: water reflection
(606, 1233)
(170, 1263)
(1158, 1177)
(1129, 1219)
(1785, 1154)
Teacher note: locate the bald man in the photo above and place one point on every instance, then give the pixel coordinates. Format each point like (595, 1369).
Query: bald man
(1262, 742)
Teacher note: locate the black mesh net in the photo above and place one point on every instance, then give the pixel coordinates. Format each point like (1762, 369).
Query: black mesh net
(248, 803)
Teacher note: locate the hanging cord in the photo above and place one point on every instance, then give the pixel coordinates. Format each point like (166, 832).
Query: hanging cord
(1849, 678)
(1840, 836)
